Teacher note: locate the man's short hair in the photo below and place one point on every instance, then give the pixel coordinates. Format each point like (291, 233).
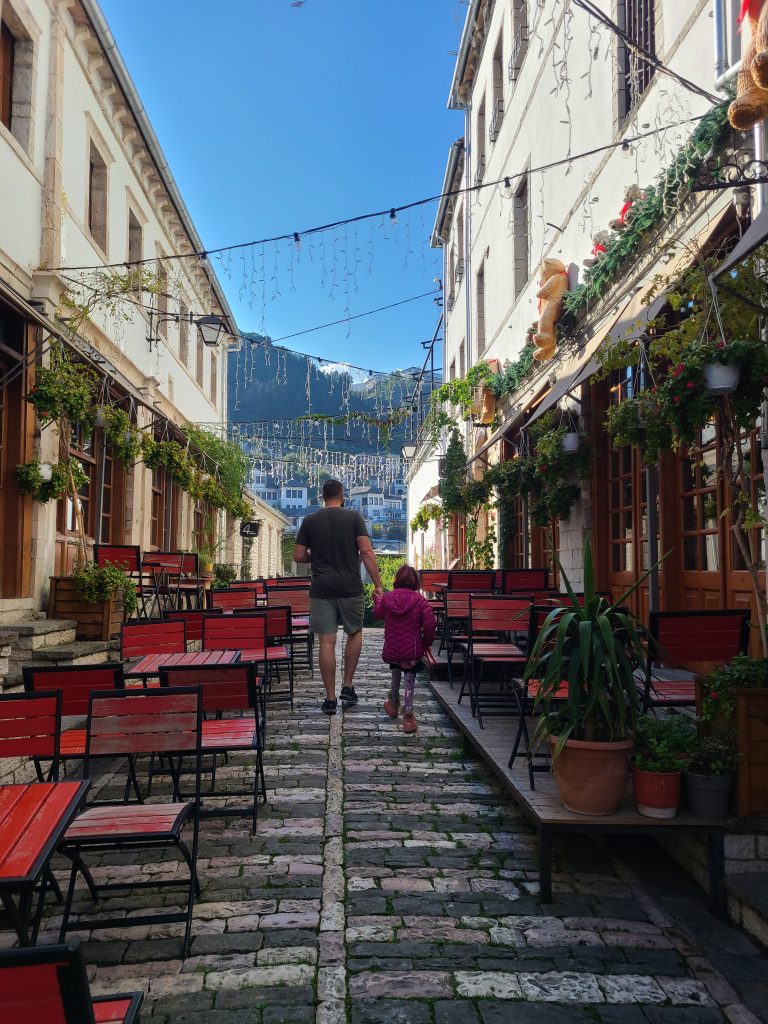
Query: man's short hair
(332, 489)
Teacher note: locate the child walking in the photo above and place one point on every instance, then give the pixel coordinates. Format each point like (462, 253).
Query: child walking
(409, 629)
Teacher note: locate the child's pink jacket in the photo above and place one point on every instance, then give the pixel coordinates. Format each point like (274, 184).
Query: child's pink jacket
(409, 624)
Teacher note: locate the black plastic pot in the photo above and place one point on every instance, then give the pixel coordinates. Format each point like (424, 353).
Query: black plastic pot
(708, 794)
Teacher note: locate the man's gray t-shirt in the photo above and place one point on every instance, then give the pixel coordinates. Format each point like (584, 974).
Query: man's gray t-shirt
(331, 536)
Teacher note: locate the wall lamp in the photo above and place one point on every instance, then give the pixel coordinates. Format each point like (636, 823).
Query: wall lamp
(211, 327)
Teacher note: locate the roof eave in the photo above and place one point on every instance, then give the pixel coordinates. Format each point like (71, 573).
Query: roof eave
(455, 156)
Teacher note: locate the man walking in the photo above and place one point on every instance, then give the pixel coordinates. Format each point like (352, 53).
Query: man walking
(334, 541)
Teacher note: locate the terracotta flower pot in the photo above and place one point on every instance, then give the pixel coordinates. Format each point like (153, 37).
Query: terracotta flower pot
(591, 777)
(657, 794)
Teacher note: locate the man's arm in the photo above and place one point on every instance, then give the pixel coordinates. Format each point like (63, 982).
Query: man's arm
(369, 561)
(301, 554)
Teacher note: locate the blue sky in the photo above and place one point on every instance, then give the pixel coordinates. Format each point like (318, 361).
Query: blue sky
(275, 119)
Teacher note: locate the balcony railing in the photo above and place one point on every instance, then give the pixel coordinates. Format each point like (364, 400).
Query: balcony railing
(519, 50)
(480, 170)
(496, 118)
(458, 274)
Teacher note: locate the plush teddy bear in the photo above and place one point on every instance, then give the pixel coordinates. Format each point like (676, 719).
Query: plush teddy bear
(632, 193)
(553, 284)
(599, 242)
(751, 103)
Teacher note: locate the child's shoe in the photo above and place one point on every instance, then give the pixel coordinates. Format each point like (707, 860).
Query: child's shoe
(392, 707)
(409, 722)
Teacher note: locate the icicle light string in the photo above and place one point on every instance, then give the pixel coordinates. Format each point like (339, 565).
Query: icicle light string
(383, 216)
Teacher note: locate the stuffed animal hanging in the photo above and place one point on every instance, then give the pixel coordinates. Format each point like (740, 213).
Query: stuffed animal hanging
(553, 284)
(599, 242)
(751, 103)
(632, 193)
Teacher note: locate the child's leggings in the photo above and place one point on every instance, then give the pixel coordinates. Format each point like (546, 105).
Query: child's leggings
(409, 677)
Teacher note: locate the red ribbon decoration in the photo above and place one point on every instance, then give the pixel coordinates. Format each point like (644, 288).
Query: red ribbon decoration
(745, 4)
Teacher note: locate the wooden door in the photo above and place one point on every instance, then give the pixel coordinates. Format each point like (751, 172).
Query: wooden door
(15, 447)
(620, 527)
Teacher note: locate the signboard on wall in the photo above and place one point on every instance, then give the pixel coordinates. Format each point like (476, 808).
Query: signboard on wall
(249, 529)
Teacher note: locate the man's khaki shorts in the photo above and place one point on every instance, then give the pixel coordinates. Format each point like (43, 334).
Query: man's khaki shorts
(326, 614)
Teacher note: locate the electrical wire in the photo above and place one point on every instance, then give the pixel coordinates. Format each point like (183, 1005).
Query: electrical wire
(392, 211)
(650, 58)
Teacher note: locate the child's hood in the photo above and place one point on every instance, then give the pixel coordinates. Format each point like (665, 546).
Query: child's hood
(402, 601)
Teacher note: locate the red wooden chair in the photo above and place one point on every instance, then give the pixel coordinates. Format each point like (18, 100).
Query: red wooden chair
(289, 581)
(279, 640)
(297, 599)
(692, 644)
(188, 586)
(247, 633)
(193, 621)
(227, 689)
(30, 726)
(49, 985)
(231, 598)
(493, 623)
(478, 580)
(432, 583)
(164, 569)
(131, 723)
(158, 637)
(510, 580)
(259, 587)
(74, 683)
(128, 558)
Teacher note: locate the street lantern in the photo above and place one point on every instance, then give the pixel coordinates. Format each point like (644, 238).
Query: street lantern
(408, 451)
(211, 329)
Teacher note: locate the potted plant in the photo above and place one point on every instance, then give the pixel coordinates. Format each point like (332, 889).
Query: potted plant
(735, 698)
(96, 597)
(662, 751)
(709, 775)
(597, 650)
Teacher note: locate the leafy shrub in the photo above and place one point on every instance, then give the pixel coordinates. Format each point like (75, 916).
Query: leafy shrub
(664, 744)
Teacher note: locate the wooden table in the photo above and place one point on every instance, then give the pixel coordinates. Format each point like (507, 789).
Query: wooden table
(151, 664)
(544, 808)
(33, 818)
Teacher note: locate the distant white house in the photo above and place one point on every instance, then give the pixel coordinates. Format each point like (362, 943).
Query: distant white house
(293, 495)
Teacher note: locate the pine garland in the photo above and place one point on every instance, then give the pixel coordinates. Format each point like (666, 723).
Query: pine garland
(668, 195)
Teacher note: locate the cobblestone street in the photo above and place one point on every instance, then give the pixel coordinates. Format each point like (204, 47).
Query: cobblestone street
(391, 880)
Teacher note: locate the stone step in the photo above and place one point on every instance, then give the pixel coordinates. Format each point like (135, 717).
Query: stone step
(76, 652)
(13, 609)
(748, 902)
(36, 634)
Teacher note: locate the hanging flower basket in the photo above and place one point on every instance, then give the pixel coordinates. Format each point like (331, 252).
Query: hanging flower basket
(722, 378)
(570, 441)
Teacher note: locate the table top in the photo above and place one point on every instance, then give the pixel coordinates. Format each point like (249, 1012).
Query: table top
(33, 817)
(151, 664)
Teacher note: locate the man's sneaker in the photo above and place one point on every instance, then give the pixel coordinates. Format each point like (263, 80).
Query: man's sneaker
(328, 706)
(348, 696)
(409, 722)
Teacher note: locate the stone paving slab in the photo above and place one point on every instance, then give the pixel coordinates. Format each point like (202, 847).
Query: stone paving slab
(391, 880)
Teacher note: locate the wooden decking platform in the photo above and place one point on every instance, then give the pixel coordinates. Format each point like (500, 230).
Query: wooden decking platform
(542, 805)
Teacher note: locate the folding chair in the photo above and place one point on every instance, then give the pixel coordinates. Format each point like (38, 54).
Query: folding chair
(248, 633)
(297, 599)
(478, 580)
(164, 569)
(193, 621)
(74, 683)
(493, 621)
(188, 585)
(49, 985)
(279, 648)
(128, 558)
(510, 580)
(131, 723)
(259, 587)
(229, 599)
(691, 644)
(226, 689)
(152, 637)
(30, 726)
(455, 625)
